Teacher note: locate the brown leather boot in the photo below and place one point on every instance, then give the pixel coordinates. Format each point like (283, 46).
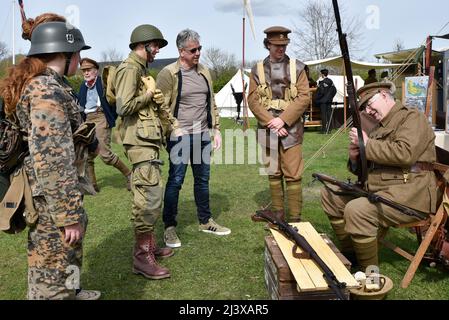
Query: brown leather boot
(144, 261)
(125, 171)
(163, 252)
(91, 175)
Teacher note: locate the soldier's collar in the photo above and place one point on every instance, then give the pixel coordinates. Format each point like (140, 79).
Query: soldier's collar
(398, 106)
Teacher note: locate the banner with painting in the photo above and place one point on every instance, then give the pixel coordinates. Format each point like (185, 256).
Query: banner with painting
(416, 93)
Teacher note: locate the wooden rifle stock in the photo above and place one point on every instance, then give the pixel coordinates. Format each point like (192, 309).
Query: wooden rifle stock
(352, 189)
(363, 172)
(291, 233)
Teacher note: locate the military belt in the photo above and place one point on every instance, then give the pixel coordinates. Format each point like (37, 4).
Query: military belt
(416, 168)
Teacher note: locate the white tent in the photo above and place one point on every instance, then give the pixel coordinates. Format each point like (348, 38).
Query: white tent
(224, 99)
(340, 83)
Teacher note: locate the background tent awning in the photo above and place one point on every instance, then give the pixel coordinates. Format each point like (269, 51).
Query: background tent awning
(404, 55)
(337, 62)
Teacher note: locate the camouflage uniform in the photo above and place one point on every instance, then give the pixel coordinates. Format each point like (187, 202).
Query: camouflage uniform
(48, 114)
(143, 131)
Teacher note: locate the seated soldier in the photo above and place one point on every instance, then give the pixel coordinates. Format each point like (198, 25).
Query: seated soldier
(400, 151)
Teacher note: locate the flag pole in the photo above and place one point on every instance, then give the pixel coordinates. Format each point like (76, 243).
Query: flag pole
(245, 102)
(13, 32)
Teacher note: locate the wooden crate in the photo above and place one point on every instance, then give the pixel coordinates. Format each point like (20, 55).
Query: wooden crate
(280, 281)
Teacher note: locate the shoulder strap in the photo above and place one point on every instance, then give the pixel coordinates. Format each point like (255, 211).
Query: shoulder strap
(261, 72)
(293, 71)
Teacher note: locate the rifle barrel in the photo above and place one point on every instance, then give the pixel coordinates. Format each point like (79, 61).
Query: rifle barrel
(372, 197)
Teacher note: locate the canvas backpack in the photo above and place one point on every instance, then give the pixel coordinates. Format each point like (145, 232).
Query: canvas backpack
(108, 78)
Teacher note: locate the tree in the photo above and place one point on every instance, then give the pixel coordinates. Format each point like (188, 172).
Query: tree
(317, 38)
(3, 50)
(111, 55)
(219, 62)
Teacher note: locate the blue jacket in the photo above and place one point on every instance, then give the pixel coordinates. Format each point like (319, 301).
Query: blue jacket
(109, 112)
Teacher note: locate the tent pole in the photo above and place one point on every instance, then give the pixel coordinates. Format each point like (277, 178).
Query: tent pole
(345, 106)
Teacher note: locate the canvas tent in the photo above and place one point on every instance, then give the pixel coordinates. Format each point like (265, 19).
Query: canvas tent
(224, 99)
(340, 82)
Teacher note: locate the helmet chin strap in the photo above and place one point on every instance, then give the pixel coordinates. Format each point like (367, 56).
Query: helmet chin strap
(148, 51)
(68, 59)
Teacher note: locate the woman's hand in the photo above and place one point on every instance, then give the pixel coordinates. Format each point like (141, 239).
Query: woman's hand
(73, 233)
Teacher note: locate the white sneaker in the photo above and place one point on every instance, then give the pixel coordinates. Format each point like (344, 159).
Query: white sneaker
(212, 227)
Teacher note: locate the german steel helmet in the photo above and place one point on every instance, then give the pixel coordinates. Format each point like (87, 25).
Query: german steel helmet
(146, 33)
(53, 37)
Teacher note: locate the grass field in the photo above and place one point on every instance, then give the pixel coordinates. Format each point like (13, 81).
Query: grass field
(206, 266)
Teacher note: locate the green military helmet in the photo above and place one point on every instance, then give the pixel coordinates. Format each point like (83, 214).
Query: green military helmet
(146, 33)
(54, 37)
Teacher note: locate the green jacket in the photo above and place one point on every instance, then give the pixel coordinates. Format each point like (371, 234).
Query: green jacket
(168, 81)
(144, 122)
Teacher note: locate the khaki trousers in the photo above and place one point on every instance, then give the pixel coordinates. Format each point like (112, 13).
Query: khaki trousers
(104, 136)
(288, 164)
(362, 218)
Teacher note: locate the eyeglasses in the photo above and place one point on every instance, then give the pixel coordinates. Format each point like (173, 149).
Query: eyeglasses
(372, 100)
(194, 50)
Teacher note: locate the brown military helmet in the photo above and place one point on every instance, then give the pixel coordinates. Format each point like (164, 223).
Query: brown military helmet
(370, 90)
(277, 35)
(87, 63)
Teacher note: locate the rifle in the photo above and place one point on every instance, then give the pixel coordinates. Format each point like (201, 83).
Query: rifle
(292, 233)
(354, 190)
(362, 163)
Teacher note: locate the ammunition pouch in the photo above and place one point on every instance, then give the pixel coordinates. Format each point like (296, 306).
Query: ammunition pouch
(265, 95)
(148, 127)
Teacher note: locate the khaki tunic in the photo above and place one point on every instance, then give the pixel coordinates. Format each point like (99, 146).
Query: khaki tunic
(143, 131)
(403, 138)
(281, 161)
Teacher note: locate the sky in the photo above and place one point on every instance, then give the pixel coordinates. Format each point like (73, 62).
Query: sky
(108, 24)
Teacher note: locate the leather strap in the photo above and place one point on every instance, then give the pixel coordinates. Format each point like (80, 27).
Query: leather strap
(416, 168)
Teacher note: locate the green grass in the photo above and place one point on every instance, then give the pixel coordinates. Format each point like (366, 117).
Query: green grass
(206, 266)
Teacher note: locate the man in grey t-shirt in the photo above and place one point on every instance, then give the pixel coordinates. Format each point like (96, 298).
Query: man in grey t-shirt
(189, 86)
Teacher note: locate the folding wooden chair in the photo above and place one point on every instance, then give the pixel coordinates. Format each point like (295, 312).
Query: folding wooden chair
(431, 226)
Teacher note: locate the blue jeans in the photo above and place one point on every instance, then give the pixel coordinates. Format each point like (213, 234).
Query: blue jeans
(195, 149)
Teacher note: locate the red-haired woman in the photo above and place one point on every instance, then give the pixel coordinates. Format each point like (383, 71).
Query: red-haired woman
(46, 110)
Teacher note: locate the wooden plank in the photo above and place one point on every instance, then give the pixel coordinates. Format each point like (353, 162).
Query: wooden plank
(340, 256)
(327, 255)
(307, 274)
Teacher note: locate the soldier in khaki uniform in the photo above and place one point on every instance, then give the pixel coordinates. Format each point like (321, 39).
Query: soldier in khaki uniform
(400, 151)
(146, 120)
(278, 97)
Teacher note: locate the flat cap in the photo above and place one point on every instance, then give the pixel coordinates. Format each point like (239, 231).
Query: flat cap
(370, 90)
(278, 35)
(87, 63)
